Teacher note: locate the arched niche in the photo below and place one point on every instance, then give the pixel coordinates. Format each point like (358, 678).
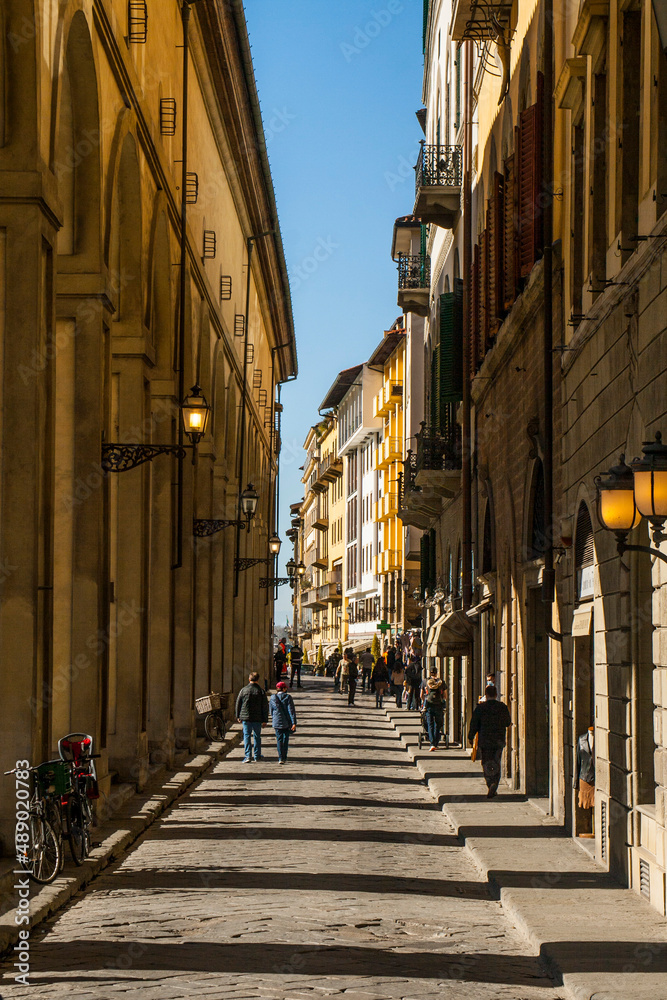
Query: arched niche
(76, 147)
(123, 245)
(536, 528)
(161, 316)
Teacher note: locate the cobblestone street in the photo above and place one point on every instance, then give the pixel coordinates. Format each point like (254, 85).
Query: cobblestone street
(334, 875)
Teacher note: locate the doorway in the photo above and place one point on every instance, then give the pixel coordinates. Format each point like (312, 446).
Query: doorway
(538, 698)
(584, 713)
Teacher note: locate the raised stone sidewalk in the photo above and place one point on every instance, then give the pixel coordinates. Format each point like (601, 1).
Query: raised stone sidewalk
(602, 939)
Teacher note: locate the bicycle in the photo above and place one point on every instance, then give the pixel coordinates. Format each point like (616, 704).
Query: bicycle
(214, 724)
(39, 839)
(76, 753)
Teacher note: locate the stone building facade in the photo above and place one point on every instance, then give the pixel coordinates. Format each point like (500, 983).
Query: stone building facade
(555, 365)
(113, 618)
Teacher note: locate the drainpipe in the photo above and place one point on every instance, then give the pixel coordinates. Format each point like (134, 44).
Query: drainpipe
(466, 455)
(549, 573)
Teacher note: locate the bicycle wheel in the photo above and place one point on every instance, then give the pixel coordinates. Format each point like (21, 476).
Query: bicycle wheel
(214, 726)
(77, 833)
(41, 859)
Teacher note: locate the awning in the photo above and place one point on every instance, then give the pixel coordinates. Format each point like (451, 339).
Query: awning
(450, 635)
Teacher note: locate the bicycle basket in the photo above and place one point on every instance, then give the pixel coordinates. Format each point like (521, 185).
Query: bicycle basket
(54, 777)
(76, 747)
(209, 703)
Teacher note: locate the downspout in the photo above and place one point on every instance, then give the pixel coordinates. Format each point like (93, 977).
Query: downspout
(549, 573)
(466, 456)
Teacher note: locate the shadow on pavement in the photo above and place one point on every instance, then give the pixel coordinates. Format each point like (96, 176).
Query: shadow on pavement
(189, 831)
(279, 959)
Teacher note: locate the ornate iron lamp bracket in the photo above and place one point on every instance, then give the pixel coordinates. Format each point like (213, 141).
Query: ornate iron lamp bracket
(242, 564)
(273, 581)
(121, 457)
(203, 527)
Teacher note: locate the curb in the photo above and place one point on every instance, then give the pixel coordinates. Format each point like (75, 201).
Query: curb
(118, 836)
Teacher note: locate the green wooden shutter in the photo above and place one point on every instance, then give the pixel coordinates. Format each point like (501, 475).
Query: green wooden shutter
(422, 239)
(425, 28)
(451, 345)
(436, 388)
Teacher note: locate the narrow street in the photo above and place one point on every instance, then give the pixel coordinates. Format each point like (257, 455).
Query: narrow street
(334, 875)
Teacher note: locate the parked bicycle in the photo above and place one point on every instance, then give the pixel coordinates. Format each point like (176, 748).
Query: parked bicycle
(76, 752)
(39, 830)
(214, 724)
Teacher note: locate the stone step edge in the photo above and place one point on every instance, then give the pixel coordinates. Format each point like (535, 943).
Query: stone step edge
(503, 894)
(119, 835)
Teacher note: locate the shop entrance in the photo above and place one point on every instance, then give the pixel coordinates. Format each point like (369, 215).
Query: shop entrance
(537, 698)
(584, 705)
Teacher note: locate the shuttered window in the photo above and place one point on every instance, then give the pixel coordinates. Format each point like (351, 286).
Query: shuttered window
(529, 177)
(423, 563)
(484, 296)
(432, 570)
(494, 252)
(509, 233)
(451, 347)
(435, 388)
(425, 27)
(476, 312)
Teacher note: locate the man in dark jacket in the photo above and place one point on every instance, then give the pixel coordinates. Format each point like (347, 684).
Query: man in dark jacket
(296, 658)
(252, 710)
(491, 719)
(279, 660)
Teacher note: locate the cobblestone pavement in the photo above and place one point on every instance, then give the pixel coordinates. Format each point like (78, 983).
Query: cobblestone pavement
(335, 875)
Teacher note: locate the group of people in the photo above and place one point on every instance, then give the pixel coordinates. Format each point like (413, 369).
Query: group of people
(397, 669)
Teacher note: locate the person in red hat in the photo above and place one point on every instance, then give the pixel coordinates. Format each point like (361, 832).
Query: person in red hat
(283, 716)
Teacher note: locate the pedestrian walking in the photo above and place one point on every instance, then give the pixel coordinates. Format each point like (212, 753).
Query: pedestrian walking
(352, 674)
(342, 674)
(412, 684)
(296, 659)
(491, 720)
(397, 680)
(390, 657)
(252, 711)
(434, 691)
(366, 661)
(380, 680)
(283, 717)
(279, 660)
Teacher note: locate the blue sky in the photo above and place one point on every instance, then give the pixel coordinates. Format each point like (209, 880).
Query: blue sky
(339, 85)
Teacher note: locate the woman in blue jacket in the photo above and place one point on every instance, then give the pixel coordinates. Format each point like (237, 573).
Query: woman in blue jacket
(283, 716)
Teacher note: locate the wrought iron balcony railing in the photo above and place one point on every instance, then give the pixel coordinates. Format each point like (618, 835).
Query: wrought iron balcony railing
(439, 165)
(414, 271)
(438, 452)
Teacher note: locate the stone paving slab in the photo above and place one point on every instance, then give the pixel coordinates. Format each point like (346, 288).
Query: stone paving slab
(333, 876)
(602, 939)
(113, 839)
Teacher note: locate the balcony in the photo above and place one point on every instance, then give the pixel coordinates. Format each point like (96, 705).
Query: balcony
(389, 451)
(310, 599)
(328, 471)
(414, 283)
(439, 173)
(389, 396)
(330, 592)
(380, 404)
(479, 21)
(321, 522)
(388, 561)
(438, 465)
(386, 507)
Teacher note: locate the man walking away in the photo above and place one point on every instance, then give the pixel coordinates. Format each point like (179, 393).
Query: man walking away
(252, 710)
(279, 660)
(296, 658)
(352, 674)
(412, 681)
(491, 719)
(366, 660)
(380, 678)
(283, 716)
